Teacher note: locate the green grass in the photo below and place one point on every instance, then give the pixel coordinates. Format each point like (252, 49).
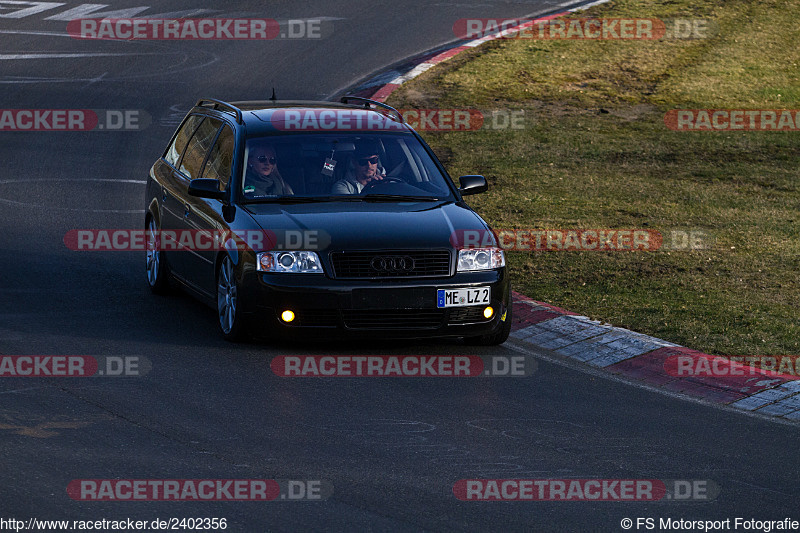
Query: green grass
(595, 153)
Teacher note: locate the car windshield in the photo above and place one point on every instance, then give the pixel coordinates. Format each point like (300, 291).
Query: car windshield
(343, 166)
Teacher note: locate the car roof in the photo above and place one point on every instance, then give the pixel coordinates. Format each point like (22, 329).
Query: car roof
(263, 117)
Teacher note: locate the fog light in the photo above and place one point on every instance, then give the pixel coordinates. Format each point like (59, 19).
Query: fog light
(287, 316)
(488, 312)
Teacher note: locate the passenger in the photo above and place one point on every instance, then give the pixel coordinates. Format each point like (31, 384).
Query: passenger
(365, 167)
(263, 177)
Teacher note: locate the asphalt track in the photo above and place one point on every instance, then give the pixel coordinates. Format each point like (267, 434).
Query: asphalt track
(391, 448)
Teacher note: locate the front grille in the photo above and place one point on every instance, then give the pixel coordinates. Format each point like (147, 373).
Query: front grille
(393, 319)
(467, 315)
(359, 265)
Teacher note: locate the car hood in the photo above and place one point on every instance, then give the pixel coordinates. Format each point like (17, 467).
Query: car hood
(369, 225)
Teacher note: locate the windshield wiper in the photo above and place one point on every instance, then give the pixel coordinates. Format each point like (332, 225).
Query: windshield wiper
(300, 199)
(398, 198)
(341, 198)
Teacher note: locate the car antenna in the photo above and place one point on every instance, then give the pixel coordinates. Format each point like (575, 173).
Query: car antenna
(273, 97)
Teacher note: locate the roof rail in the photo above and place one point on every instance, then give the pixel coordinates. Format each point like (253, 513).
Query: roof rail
(220, 104)
(367, 102)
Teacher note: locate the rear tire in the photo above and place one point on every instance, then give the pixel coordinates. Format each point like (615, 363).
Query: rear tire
(498, 337)
(157, 268)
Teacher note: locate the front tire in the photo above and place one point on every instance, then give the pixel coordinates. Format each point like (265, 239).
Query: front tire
(229, 311)
(498, 337)
(157, 268)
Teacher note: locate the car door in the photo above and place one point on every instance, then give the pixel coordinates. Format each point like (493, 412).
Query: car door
(171, 206)
(206, 214)
(191, 167)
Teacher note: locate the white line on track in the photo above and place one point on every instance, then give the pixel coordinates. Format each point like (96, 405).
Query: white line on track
(36, 32)
(205, 59)
(82, 210)
(4, 182)
(62, 55)
(26, 204)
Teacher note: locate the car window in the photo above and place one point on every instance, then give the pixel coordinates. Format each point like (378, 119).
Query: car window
(334, 164)
(195, 155)
(175, 150)
(220, 160)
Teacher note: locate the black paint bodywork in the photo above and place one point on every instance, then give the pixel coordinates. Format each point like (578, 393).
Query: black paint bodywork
(325, 306)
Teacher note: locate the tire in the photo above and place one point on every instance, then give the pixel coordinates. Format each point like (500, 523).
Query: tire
(157, 268)
(229, 312)
(498, 337)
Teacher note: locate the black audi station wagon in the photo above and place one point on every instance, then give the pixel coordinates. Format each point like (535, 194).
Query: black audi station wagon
(322, 219)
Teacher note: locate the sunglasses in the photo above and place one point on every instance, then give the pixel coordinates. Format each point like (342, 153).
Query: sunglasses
(371, 160)
(264, 159)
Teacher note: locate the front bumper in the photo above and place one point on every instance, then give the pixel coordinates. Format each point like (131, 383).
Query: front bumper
(404, 308)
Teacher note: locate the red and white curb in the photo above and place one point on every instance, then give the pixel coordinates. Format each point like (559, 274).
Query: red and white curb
(616, 350)
(381, 86)
(643, 358)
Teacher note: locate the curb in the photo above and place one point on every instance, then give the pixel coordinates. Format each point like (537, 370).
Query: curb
(381, 86)
(619, 351)
(642, 358)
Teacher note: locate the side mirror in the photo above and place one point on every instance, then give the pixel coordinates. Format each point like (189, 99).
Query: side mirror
(472, 185)
(206, 188)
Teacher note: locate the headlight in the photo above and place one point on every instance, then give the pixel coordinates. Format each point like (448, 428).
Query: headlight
(480, 259)
(303, 262)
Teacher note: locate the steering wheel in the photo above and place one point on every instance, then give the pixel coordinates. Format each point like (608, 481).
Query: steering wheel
(373, 183)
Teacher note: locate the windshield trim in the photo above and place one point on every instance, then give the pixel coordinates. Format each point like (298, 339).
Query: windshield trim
(451, 187)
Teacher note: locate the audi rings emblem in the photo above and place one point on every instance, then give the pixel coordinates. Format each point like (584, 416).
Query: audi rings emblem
(393, 264)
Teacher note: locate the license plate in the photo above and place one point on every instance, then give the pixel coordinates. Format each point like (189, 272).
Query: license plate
(463, 297)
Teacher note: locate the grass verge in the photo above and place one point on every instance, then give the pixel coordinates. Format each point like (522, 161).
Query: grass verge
(595, 153)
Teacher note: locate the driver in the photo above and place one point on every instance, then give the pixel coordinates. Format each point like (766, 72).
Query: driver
(365, 167)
